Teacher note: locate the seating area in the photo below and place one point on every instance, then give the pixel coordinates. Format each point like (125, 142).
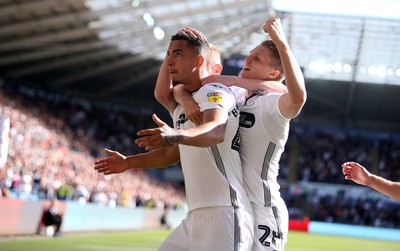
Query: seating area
(55, 138)
(53, 143)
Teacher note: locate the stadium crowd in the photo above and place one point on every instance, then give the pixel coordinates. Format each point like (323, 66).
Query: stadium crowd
(54, 139)
(53, 142)
(342, 208)
(322, 150)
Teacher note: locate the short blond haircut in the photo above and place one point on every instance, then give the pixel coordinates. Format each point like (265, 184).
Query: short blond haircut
(214, 65)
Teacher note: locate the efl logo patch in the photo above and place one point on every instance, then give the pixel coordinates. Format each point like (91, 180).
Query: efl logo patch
(214, 97)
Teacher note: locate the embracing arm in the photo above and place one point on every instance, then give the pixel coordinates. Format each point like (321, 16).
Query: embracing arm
(190, 107)
(254, 86)
(118, 163)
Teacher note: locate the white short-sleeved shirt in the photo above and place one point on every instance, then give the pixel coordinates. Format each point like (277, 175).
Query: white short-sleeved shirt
(213, 175)
(264, 132)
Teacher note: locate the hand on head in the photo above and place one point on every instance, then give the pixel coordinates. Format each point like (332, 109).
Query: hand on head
(193, 32)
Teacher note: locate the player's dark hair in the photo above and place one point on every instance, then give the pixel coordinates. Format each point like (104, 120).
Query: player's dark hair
(200, 45)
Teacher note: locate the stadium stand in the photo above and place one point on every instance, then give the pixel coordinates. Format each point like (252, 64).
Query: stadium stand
(54, 139)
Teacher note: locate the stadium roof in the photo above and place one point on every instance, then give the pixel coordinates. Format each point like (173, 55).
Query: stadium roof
(112, 49)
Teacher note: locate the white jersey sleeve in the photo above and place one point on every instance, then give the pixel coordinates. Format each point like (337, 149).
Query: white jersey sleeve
(272, 117)
(215, 96)
(240, 94)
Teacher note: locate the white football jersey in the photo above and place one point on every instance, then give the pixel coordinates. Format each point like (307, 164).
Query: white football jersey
(263, 135)
(213, 175)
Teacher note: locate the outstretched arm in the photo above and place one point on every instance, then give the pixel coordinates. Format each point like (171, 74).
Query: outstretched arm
(357, 173)
(118, 163)
(292, 102)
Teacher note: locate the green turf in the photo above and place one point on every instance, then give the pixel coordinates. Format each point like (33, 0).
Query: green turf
(121, 241)
(300, 241)
(150, 240)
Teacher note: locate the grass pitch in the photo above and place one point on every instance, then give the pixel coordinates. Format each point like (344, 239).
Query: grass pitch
(150, 240)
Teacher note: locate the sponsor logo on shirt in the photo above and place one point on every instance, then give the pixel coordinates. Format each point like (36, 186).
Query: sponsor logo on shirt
(246, 119)
(214, 97)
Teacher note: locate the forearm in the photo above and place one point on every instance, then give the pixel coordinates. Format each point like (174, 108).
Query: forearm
(294, 77)
(211, 132)
(181, 94)
(387, 187)
(206, 135)
(256, 86)
(190, 107)
(159, 158)
(163, 89)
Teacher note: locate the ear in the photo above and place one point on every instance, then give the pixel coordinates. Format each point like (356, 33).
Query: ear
(200, 61)
(217, 69)
(274, 74)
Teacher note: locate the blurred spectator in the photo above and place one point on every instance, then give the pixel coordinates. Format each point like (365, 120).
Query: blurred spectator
(164, 218)
(64, 192)
(53, 217)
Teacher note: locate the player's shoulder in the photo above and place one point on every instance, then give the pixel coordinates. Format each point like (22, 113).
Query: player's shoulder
(215, 93)
(216, 88)
(270, 97)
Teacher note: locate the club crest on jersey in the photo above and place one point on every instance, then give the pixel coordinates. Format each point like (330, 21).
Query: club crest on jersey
(214, 97)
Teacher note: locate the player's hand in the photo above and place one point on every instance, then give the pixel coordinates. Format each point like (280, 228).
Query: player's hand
(155, 138)
(190, 107)
(355, 172)
(194, 33)
(110, 165)
(192, 111)
(273, 27)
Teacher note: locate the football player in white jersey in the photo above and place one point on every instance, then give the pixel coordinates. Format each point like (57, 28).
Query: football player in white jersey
(264, 129)
(220, 215)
